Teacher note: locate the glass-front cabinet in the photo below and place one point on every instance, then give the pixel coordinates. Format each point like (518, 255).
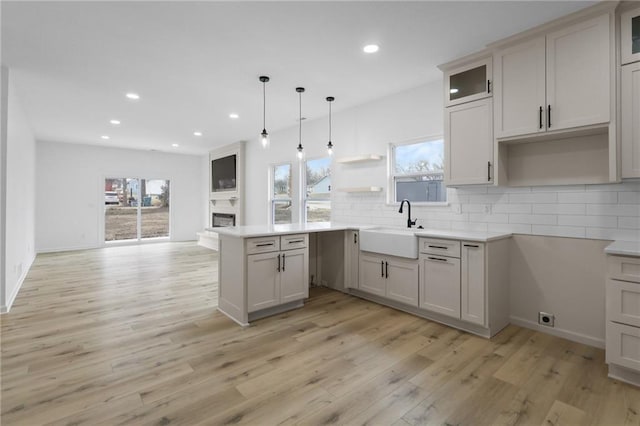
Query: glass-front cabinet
(469, 83)
(630, 36)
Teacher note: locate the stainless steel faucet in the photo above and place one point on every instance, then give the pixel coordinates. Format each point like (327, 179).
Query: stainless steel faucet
(410, 222)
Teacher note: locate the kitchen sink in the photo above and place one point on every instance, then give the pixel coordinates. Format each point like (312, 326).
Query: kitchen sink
(391, 241)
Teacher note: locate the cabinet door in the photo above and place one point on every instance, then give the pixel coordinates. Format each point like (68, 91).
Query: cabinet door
(469, 143)
(472, 283)
(371, 274)
(294, 275)
(520, 89)
(623, 345)
(402, 280)
(440, 285)
(579, 74)
(352, 250)
(630, 120)
(263, 276)
(468, 83)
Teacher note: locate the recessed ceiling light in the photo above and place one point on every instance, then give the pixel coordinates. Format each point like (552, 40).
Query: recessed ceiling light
(133, 96)
(371, 48)
(197, 133)
(115, 122)
(233, 115)
(453, 90)
(175, 145)
(105, 137)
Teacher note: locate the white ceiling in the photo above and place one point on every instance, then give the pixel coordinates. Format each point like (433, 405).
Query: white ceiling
(193, 63)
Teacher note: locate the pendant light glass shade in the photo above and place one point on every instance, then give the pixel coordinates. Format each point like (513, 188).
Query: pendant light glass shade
(330, 145)
(264, 136)
(300, 149)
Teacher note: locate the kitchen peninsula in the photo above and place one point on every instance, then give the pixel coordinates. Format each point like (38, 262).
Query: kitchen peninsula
(458, 278)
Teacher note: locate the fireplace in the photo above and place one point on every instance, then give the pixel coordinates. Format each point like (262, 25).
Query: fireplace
(222, 219)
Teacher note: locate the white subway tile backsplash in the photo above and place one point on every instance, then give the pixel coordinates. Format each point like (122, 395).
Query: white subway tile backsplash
(514, 228)
(491, 218)
(596, 197)
(591, 221)
(488, 198)
(559, 231)
(533, 219)
(619, 187)
(629, 222)
(559, 188)
(507, 189)
(613, 209)
(559, 208)
(469, 226)
(515, 208)
(540, 197)
(629, 197)
(613, 234)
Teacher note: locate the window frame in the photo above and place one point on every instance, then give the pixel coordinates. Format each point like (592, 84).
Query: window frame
(271, 199)
(392, 175)
(303, 187)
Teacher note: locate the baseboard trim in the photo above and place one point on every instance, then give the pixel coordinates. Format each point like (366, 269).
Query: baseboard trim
(63, 249)
(559, 332)
(6, 308)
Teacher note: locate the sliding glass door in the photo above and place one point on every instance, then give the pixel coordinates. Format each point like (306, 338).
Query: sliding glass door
(136, 209)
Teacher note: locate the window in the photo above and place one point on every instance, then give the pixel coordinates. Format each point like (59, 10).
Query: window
(417, 171)
(281, 194)
(317, 199)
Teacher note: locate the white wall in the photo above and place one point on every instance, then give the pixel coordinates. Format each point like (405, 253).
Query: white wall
(70, 191)
(19, 207)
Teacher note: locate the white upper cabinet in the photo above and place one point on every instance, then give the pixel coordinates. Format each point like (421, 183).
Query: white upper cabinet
(469, 82)
(468, 134)
(520, 87)
(578, 75)
(630, 36)
(558, 81)
(630, 120)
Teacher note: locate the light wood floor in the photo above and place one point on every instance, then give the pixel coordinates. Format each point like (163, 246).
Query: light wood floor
(130, 335)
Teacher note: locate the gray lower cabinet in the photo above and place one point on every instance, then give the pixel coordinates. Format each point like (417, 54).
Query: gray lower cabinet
(390, 277)
(440, 286)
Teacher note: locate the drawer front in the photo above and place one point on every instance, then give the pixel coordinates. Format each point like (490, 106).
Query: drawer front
(623, 302)
(624, 268)
(440, 247)
(295, 241)
(623, 345)
(263, 244)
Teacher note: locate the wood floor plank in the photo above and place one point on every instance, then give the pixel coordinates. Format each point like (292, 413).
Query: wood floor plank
(131, 336)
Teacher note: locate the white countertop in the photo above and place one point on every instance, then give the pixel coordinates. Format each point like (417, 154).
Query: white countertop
(624, 248)
(295, 228)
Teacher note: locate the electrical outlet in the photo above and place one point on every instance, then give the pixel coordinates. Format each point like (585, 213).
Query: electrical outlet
(546, 319)
(487, 208)
(457, 208)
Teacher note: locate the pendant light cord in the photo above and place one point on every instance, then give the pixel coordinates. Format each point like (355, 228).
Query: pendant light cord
(264, 105)
(329, 121)
(300, 119)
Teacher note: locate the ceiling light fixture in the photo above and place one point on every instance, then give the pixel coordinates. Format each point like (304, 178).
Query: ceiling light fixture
(233, 115)
(300, 90)
(197, 133)
(133, 96)
(371, 48)
(330, 145)
(264, 136)
(105, 137)
(175, 145)
(115, 122)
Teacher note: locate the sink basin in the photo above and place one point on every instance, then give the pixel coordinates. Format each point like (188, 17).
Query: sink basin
(394, 242)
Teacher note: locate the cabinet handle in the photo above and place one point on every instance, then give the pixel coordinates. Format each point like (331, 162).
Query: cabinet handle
(283, 256)
(440, 247)
(471, 245)
(540, 116)
(382, 268)
(488, 171)
(355, 238)
(387, 267)
(549, 116)
(439, 259)
(488, 86)
(264, 245)
(278, 264)
(296, 241)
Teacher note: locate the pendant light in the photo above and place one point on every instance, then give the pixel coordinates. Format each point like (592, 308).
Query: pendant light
(264, 136)
(300, 90)
(330, 145)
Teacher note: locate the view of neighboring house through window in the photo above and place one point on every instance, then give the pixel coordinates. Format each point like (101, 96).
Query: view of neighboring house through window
(281, 193)
(417, 171)
(317, 202)
(136, 209)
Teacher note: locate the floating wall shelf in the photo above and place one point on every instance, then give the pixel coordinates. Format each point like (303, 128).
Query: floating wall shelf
(361, 189)
(359, 159)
